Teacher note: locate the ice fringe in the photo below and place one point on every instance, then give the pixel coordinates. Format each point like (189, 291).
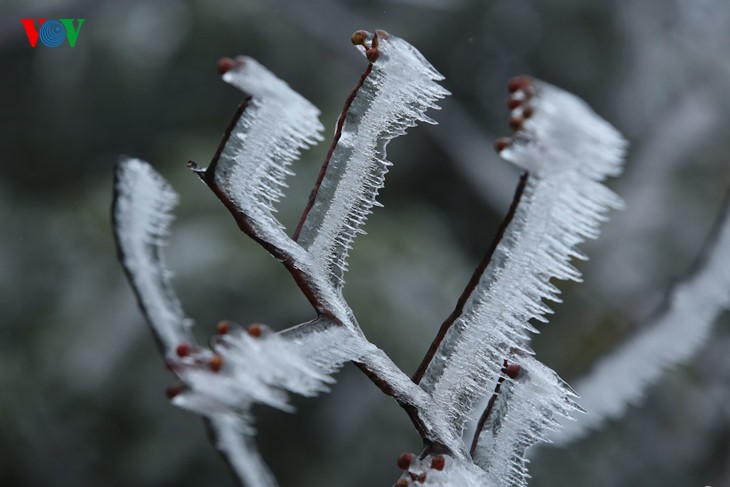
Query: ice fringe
(142, 215)
(395, 93)
(528, 408)
(251, 369)
(672, 336)
(568, 151)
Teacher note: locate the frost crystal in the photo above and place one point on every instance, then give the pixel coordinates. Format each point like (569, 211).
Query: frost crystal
(569, 151)
(672, 336)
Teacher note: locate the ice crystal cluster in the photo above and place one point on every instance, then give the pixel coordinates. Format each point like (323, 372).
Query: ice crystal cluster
(480, 364)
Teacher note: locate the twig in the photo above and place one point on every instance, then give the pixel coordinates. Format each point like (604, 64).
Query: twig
(472, 282)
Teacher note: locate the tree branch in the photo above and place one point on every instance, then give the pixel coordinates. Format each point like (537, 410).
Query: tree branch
(418, 375)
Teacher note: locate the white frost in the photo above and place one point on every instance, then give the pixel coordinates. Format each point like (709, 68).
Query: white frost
(143, 203)
(527, 408)
(275, 125)
(263, 369)
(394, 96)
(672, 336)
(569, 151)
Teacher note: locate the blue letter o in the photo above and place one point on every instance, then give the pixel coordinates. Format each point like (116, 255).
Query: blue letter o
(52, 33)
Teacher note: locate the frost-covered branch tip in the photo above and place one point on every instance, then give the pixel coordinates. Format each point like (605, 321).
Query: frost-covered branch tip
(672, 335)
(568, 151)
(394, 93)
(142, 214)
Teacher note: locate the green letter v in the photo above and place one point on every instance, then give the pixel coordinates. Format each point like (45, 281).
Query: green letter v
(71, 33)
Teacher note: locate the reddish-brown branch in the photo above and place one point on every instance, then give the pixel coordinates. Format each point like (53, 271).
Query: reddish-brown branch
(511, 371)
(473, 282)
(333, 145)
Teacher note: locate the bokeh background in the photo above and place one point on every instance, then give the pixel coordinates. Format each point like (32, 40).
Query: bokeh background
(81, 385)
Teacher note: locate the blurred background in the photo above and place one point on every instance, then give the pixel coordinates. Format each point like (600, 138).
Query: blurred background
(81, 384)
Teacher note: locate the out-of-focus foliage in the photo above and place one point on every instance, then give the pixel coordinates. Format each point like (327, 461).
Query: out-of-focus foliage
(82, 398)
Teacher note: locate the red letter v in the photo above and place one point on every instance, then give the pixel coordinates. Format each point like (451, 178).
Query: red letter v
(30, 30)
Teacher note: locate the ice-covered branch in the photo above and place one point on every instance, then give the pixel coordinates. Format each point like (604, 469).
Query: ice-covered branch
(568, 151)
(671, 336)
(393, 95)
(398, 86)
(252, 162)
(141, 214)
(529, 406)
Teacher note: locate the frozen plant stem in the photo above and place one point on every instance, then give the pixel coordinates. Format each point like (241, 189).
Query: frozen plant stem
(483, 342)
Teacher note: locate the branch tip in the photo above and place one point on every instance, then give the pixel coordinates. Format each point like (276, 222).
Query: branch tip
(215, 363)
(174, 390)
(404, 461)
(519, 83)
(182, 350)
(226, 64)
(255, 330)
(223, 327)
(438, 462)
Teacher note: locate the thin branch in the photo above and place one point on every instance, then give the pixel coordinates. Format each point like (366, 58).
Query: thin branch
(473, 281)
(335, 140)
(246, 226)
(671, 335)
(511, 371)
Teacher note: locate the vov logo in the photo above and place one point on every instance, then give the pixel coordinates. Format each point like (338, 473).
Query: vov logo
(52, 33)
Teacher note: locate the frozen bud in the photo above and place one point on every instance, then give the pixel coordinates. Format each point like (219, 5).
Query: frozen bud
(515, 122)
(404, 461)
(512, 370)
(223, 327)
(215, 363)
(174, 390)
(226, 64)
(359, 37)
(501, 144)
(255, 330)
(182, 350)
(513, 102)
(438, 462)
(420, 478)
(519, 83)
(402, 483)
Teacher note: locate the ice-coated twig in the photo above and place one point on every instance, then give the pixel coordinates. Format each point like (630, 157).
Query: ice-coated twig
(568, 151)
(396, 89)
(671, 336)
(528, 407)
(142, 214)
(231, 436)
(248, 171)
(393, 95)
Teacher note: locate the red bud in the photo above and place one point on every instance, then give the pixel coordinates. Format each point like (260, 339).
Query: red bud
(404, 461)
(438, 462)
(215, 363)
(183, 350)
(254, 330)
